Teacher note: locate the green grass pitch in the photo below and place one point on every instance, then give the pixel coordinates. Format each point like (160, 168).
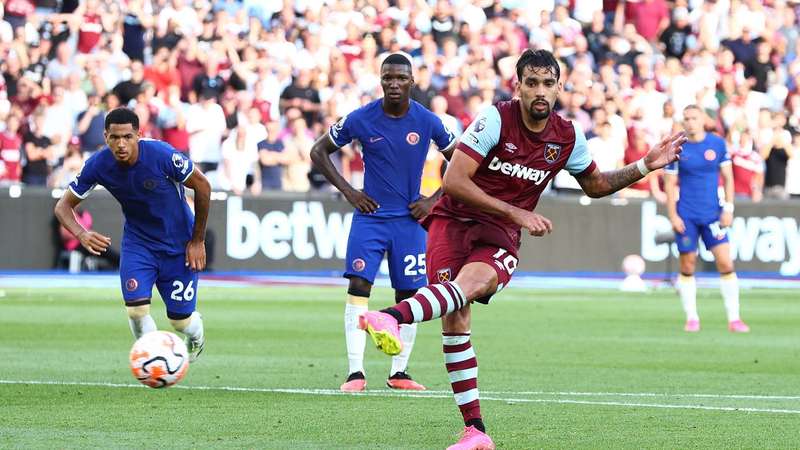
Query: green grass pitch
(558, 369)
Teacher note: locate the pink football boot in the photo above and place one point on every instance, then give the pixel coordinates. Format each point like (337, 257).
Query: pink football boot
(403, 382)
(692, 326)
(473, 439)
(384, 330)
(737, 326)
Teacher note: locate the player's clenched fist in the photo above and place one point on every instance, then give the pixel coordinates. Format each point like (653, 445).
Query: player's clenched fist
(94, 242)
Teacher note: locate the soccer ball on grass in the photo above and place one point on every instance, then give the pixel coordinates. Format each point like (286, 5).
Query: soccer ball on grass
(159, 359)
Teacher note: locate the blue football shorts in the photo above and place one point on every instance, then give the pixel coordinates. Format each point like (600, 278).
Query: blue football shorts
(709, 230)
(401, 238)
(140, 268)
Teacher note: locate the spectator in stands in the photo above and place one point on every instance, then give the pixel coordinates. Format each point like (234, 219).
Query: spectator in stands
(301, 95)
(210, 80)
(677, 38)
(748, 166)
(650, 184)
(69, 166)
(271, 158)
(604, 150)
(128, 90)
(240, 157)
(38, 150)
(90, 125)
(776, 156)
(422, 91)
(206, 125)
(623, 53)
(297, 147)
(439, 107)
(11, 152)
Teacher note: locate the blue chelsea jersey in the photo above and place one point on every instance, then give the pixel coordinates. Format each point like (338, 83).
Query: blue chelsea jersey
(150, 193)
(394, 151)
(698, 171)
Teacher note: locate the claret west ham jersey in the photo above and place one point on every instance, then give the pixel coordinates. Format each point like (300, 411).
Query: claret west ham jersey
(516, 164)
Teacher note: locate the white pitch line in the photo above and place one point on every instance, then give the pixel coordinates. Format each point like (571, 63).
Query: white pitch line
(649, 394)
(426, 394)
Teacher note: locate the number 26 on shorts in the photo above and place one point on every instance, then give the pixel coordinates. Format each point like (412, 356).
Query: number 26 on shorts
(181, 294)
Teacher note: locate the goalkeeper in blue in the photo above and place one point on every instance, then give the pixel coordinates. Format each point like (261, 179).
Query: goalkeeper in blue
(163, 242)
(698, 213)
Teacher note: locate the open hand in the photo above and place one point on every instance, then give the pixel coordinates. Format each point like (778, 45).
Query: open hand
(666, 151)
(94, 242)
(196, 255)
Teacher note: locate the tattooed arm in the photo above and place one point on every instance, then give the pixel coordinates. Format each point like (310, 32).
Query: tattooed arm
(599, 184)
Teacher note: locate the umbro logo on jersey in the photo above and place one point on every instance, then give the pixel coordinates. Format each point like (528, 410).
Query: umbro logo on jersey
(375, 139)
(510, 147)
(519, 171)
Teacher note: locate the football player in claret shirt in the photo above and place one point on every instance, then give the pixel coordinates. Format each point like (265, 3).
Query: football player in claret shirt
(162, 242)
(395, 133)
(699, 213)
(499, 169)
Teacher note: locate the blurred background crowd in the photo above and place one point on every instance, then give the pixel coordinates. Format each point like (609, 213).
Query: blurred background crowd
(244, 87)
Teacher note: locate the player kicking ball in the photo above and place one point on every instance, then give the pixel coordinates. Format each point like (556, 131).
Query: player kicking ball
(395, 133)
(698, 213)
(162, 242)
(500, 167)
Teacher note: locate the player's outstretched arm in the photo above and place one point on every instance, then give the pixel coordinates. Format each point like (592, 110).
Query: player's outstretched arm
(458, 183)
(321, 157)
(95, 243)
(599, 184)
(196, 247)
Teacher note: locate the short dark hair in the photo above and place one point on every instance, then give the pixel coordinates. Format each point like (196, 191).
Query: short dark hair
(537, 58)
(398, 59)
(122, 115)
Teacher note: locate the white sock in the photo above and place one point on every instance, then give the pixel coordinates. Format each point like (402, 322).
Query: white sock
(356, 338)
(408, 332)
(195, 328)
(687, 287)
(142, 326)
(729, 287)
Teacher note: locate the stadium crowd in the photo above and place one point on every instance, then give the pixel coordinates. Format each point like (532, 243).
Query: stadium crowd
(244, 87)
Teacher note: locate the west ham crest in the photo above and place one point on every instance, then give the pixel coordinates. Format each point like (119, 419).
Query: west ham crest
(443, 275)
(551, 152)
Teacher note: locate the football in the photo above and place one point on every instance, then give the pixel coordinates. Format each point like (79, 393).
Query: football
(159, 359)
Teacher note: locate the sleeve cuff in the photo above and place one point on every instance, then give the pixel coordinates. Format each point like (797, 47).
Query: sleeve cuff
(589, 169)
(472, 153)
(334, 140)
(85, 194)
(188, 175)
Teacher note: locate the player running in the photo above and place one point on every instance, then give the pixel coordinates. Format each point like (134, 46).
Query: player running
(698, 213)
(395, 133)
(504, 160)
(162, 242)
